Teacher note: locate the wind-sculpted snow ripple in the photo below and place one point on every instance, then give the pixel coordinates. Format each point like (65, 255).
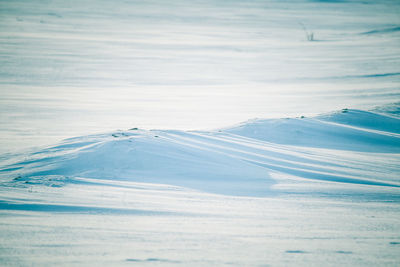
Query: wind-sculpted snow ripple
(347, 147)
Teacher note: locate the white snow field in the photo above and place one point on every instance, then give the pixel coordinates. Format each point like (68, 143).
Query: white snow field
(78, 67)
(295, 188)
(322, 191)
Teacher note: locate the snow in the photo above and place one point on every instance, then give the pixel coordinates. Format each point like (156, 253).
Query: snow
(367, 131)
(312, 181)
(86, 67)
(253, 194)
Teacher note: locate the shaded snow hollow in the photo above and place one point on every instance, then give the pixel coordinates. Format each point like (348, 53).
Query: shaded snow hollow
(256, 158)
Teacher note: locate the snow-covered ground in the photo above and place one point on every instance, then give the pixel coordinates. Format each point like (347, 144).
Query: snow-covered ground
(72, 68)
(315, 182)
(297, 191)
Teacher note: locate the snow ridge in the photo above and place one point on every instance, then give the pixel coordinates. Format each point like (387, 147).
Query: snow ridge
(350, 147)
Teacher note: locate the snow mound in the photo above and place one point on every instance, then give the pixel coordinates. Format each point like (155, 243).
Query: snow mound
(244, 160)
(352, 130)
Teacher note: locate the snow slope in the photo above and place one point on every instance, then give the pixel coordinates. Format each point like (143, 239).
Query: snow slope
(352, 130)
(236, 160)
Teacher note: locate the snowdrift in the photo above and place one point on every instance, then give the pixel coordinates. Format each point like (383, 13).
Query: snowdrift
(352, 130)
(350, 147)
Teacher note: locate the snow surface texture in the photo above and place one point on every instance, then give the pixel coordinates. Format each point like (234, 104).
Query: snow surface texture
(320, 190)
(298, 191)
(93, 66)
